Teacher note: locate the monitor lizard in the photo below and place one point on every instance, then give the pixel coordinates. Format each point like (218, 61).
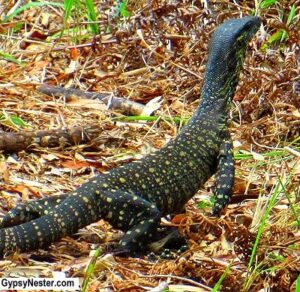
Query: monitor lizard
(135, 197)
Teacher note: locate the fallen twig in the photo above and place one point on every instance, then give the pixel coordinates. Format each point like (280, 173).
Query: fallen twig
(116, 103)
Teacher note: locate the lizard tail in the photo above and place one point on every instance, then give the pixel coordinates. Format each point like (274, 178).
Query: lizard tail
(74, 213)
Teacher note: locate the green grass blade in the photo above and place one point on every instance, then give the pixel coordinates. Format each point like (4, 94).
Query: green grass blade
(31, 5)
(245, 155)
(272, 201)
(68, 4)
(17, 121)
(177, 120)
(10, 58)
(276, 36)
(298, 284)
(292, 15)
(223, 276)
(123, 9)
(92, 16)
(266, 3)
(90, 269)
(12, 120)
(291, 203)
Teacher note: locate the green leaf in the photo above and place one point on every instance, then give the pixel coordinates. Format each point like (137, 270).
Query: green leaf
(298, 284)
(266, 3)
(10, 58)
(284, 36)
(212, 199)
(276, 36)
(13, 120)
(123, 9)
(18, 26)
(204, 204)
(291, 16)
(279, 35)
(31, 5)
(17, 121)
(276, 257)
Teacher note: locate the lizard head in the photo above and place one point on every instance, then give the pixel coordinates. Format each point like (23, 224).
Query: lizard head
(229, 43)
(226, 57)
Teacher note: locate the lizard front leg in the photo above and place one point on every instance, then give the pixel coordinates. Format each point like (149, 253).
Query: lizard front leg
(224, 177)
(31, 210)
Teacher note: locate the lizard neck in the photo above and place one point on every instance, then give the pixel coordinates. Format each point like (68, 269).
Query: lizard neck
(221, 77)
(218, 90)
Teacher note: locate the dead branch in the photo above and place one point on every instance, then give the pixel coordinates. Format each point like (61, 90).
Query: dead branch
(14, 142)
(116, 103)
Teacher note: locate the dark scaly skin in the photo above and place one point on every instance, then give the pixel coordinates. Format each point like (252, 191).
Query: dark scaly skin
(31, 210)
(134, 197)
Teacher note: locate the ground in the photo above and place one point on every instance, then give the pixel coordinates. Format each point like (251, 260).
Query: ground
(144, 50)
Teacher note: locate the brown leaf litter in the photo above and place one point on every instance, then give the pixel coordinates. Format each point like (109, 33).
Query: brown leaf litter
(160, 51)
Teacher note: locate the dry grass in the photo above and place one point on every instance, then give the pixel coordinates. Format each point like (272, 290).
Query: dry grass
(159, 51)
